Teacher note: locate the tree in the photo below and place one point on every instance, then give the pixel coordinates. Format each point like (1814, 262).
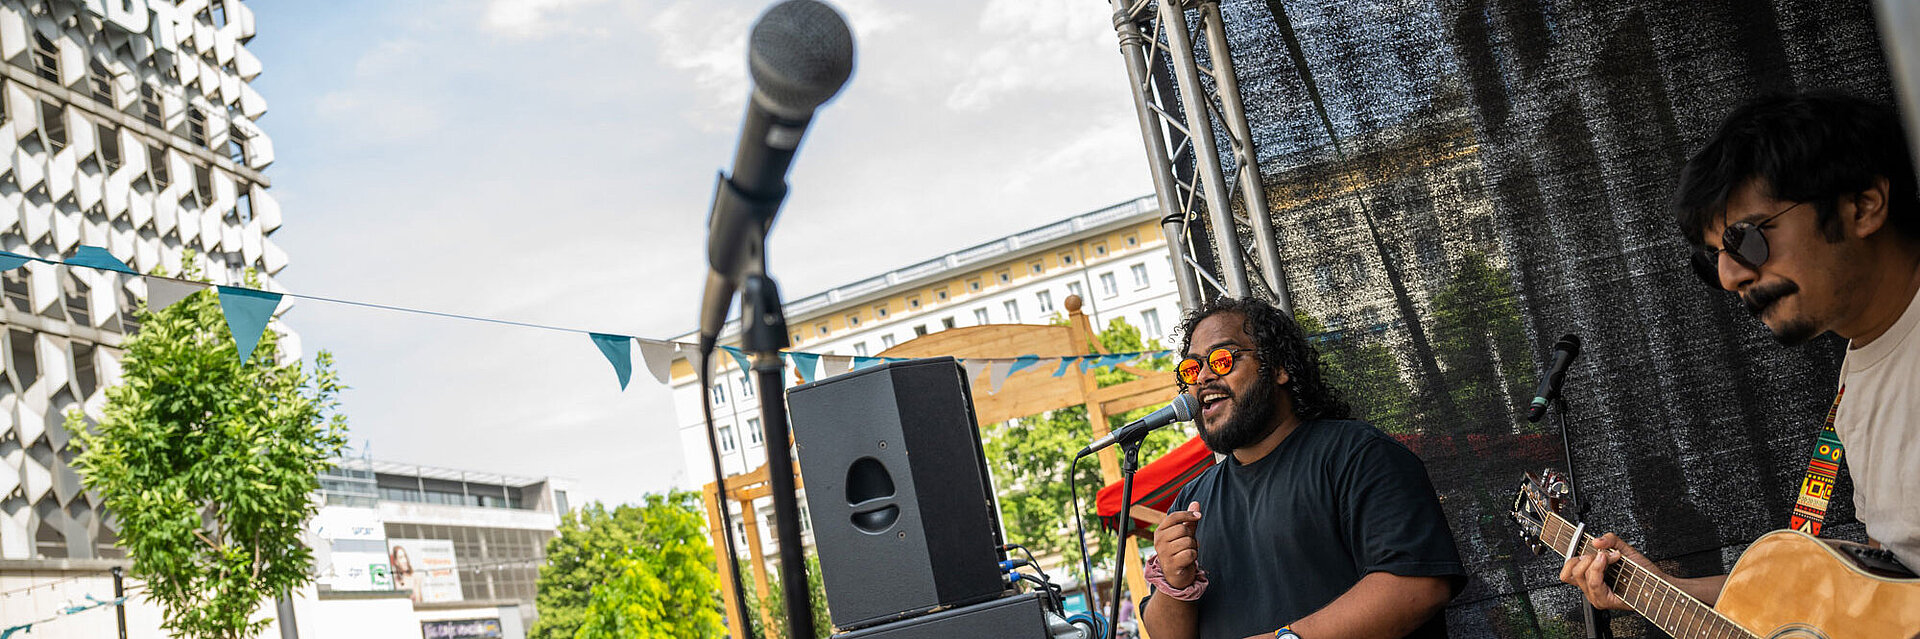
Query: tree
(1366, 372)
(1479, 338)
(210, 464)
(638, 572)
(777, 603)
(1030, 455)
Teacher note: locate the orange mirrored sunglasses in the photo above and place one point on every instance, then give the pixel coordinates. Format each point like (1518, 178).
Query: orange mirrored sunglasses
(1220, 360)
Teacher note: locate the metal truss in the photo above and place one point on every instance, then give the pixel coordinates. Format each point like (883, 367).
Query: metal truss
(1180, 148)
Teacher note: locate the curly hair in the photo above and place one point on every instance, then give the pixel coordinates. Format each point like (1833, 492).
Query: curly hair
(1279, 341)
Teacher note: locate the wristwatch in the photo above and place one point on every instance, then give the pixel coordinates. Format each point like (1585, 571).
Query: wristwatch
(1285, 633)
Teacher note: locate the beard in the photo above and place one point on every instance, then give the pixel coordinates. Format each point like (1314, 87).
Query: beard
(1793, 331)
(1252, 419)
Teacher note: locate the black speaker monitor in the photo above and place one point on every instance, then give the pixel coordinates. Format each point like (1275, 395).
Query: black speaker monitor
(897, 488)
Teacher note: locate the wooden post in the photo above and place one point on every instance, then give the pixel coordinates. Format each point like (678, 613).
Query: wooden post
(1086, 341)
(752, 522)
(736, 627)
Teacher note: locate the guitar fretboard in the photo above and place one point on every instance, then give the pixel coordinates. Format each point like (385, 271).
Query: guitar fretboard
(1663, 603)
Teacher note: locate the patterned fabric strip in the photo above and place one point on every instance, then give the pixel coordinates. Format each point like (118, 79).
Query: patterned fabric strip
(1823, 469)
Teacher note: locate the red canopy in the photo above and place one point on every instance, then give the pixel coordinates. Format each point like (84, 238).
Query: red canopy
(1156, 483)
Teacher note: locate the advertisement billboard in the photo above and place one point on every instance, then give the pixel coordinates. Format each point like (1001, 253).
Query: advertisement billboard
(426, 567)
(351, 552)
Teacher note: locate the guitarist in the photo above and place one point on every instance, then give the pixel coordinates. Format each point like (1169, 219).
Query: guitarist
(1804, 206)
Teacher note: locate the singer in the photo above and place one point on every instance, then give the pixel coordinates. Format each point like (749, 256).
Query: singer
(1316, 525)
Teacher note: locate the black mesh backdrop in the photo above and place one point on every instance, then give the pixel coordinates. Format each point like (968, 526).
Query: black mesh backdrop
(1496, 175)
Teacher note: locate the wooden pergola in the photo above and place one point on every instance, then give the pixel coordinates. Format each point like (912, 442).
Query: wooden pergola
(1033, 393)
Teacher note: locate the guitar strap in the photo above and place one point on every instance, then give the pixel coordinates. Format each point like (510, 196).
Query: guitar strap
(1823, 469)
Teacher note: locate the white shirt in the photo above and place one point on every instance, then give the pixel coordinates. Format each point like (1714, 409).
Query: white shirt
(1879, 424)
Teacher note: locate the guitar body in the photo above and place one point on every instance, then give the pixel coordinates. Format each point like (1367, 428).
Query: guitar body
(1791, 585)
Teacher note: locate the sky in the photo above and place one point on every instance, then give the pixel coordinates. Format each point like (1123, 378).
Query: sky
(552, 162)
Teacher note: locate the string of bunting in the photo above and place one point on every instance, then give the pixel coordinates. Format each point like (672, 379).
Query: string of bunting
(248, 311)
(92, 603)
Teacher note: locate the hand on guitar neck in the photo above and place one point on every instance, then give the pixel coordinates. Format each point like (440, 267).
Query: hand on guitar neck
(1588, 570)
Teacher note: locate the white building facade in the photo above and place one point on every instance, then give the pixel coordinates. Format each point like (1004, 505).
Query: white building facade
(1115, 259)
(128, 125)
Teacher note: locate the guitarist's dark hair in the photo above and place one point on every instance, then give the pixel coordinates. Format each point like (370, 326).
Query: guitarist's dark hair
(1278, 341)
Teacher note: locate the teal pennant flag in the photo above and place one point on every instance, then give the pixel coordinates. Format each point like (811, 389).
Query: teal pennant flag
(619, 352)
(99, 258)
(860, 362)
(739, 358)
(247, 312)
(10, 261)
(1064, 363)
(807, 364)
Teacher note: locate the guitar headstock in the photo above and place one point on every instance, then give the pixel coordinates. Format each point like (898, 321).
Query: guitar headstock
(1539, 497)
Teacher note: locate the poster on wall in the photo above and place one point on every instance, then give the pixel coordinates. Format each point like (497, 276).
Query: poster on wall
(461, 629)
(425, 567)
(351, 552)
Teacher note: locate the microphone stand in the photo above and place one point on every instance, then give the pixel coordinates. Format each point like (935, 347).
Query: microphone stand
(1129, 463)
(1596, 619)
(763, 326)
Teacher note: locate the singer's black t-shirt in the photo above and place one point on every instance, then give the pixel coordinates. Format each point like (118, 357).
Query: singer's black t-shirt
(1282, 537)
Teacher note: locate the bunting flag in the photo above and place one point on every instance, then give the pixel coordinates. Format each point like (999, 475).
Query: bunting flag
(96, 257)
(10, 261)
(806, 364)
(619, 352)
(659, 358)
(247, 312)
(162, 292)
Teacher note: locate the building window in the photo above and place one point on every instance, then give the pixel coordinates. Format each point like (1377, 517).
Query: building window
(727, 442)
(46, 58)
(243, 205)
(886, 342)
(940, 295)
(754, 436)
(1100, 250)
(1045, 298)
(150, 106)
(1139, 276)
(1133, 240)
(946, 322)
(796, 338)
(980, 316)
(1004, 276)
(99, 83)
(1036, 267)
(860, 349)
(1066, 259)
(1074, 289)
(820, 328)
(853, 320)
(108, 140)
(1323, 278)
(1108, 286)
(920, 331)
(913, 303)
(217, 10)
(1013, 311)
(157, 167)
(236, 146)
(746, 386)
(1150, 324)
(719, 391)
(973, 285)
(880, 312)
(202, 184)
(197, 127)
(53, 123)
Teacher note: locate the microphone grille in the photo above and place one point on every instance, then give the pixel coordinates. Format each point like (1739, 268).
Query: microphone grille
(799, 54)
(1184, 407)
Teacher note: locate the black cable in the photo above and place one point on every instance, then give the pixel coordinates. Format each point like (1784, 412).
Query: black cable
(1086, 560)
(720, 487)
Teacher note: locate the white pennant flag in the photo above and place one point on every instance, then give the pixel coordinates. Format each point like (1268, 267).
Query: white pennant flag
(974, 366)
(659, 358)
(831, 365)
(162, 293)
(1001, 370)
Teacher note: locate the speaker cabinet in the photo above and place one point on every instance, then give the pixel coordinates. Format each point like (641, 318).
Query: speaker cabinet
(897, 488)
(1017, 617)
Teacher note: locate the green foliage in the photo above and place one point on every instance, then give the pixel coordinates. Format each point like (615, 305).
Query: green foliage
(1029, 457)
(1478, 338)
(636, 572)
(1366, 372)
(210, 465)
(777, 602)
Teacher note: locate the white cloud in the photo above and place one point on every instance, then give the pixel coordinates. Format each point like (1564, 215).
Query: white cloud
(534, 19)
(1035, 45)
(708, 43)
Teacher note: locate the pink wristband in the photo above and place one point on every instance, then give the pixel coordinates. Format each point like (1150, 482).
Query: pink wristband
(1159, 580)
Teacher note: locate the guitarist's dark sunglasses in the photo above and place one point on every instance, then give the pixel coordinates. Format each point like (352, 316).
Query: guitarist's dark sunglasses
(1745, 242)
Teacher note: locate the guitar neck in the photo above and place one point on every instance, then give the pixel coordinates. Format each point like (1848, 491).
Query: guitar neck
(1660, 602)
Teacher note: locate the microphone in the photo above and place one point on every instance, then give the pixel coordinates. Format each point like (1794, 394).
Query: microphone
(799, 55)
(1181, 410)
(1564, 351)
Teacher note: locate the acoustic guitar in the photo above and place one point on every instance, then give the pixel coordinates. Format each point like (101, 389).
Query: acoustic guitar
(1787, 585)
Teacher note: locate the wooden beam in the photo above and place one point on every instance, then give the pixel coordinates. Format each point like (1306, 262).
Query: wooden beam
(736, 627)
